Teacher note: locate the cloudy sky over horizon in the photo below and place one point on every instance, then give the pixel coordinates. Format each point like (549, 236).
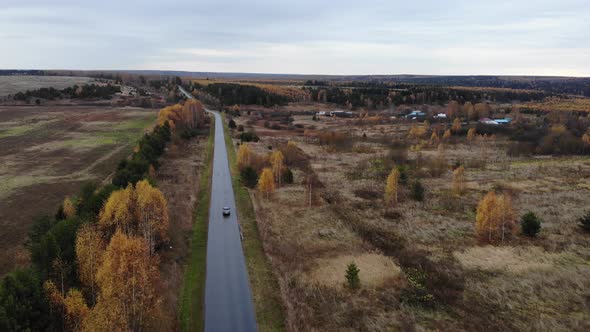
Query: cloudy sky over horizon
(460, 37)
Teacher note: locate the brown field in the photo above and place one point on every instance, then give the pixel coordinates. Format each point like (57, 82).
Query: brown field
(46, 153)
(522, 284)
(14, 84)
(561, 105)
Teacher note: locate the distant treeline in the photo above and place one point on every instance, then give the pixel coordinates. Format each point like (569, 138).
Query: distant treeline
(551, 85)
(381, 95)
(231, 94)
(83, 91)
(14, 72)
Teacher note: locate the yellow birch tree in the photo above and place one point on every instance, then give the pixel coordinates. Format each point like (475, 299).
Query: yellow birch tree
(459, 180)
(266, 182)
(152, 214)
(244, 154)
(391, 187)
(277, 163)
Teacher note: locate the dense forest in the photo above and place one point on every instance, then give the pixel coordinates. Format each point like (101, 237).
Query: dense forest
(232, 93)
(381, 95)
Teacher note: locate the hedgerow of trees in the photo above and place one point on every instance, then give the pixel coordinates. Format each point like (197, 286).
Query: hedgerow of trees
(83, 91)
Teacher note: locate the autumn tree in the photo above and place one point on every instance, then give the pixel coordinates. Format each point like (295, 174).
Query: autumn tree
(434, 137)
(72, 307)
(312, 184)
(391, 187)
(137, 210)
(89, 253)
(277, 163)
(447, 135)
(469, 111)
(244, 154)
(69, 208)
(118, 212)
(453, 109)
(459, 180)
(266, 182)
(418, 131)
(291, 152)
(586, 140)
(152, 214)
(471, 134)
(183, 117)
(483, 110)
(495, 217)
(127, 279)
(456, 127)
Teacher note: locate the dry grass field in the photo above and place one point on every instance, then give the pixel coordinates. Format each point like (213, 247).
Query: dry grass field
(178, 178)
(13, 84)
(46, 153)
(421, 265)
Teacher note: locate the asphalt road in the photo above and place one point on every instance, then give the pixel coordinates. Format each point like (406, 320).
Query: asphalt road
(228, 301)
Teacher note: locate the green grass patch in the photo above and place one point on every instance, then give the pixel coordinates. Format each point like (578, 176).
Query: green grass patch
(7, 130)
(265, 288)
(193, 288)
(127, 132)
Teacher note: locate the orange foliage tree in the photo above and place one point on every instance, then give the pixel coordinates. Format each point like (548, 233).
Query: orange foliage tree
(277, 164)
(182, 117)
(391, 187)
(69, 208)
(495, 217)
(434, 137)
(266, 182)
(152, 214)
(447, 135)
(453, 109)
(244, 154)
(71, 306)
(471, 134)
(89, 249)
(118, 212)
(456, 127)
(140, 210)
(127, 279)
(459, 180)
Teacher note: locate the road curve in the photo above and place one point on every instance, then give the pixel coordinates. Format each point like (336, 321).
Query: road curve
(228, 301)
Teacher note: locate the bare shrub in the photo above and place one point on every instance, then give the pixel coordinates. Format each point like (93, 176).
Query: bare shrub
(368, 193)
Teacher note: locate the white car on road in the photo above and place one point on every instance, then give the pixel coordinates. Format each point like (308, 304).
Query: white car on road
(226, 211)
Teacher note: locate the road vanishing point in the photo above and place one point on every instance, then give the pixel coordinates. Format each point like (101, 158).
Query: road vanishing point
(228, 300)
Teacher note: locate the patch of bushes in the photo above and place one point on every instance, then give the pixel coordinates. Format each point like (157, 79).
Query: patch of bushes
(368, 193)
(249, 177)
(392, 214)
(287, 176)
(584, 222)
(353, 282)
(249, 137)
(417, 293)
(417, 191)
(335, 141)
(530, 224)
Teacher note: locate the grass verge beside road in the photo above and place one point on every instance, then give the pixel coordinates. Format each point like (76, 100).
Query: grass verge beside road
(191, 310)
(265, 288)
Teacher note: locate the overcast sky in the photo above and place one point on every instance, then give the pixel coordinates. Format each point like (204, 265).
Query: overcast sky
(520, 37)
